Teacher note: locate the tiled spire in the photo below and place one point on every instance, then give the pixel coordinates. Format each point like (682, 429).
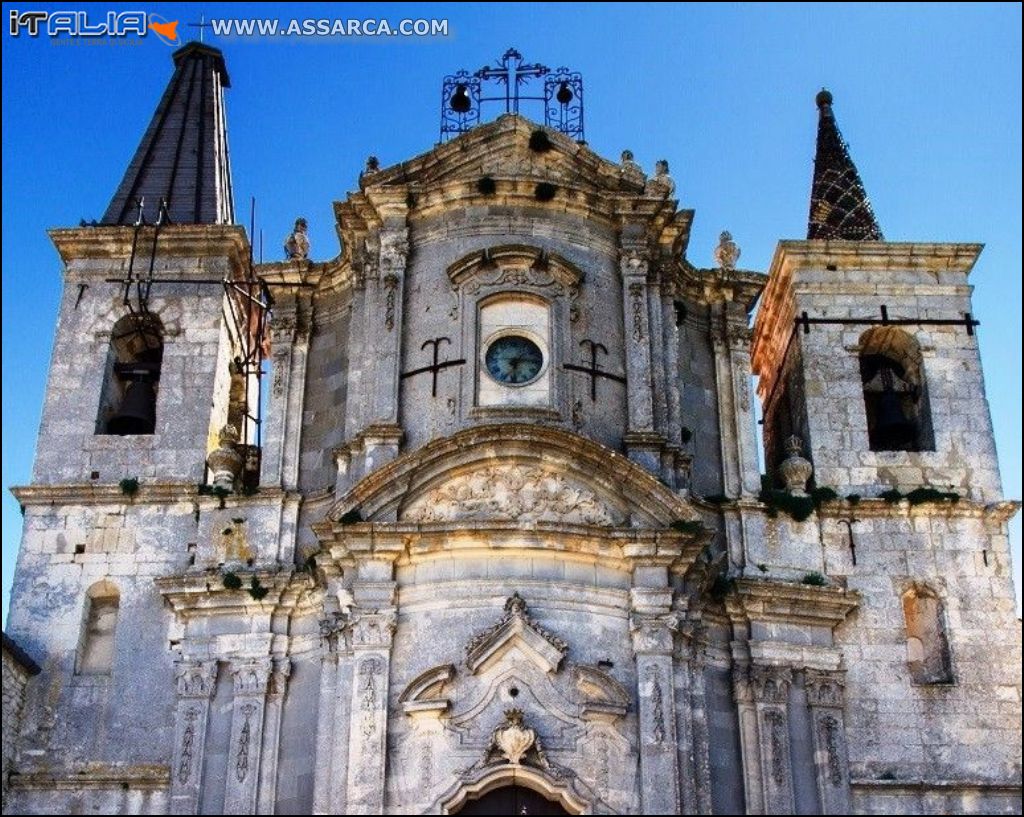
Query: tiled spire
(183, 156)
(839, 205)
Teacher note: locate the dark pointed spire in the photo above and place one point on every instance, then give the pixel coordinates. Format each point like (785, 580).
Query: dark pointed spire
(839, 205)
(183, 156)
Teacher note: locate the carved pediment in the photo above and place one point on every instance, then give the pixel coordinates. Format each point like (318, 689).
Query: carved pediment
(509, 491)
(542, 475)
(515, 628)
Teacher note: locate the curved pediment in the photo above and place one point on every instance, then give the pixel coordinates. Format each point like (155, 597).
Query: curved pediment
(518, 473)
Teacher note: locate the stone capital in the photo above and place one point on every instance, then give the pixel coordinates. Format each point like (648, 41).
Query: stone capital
(251, 675)
(195, 679)
(373, 629)
(653, 635)
(770, 684)
(824, 688)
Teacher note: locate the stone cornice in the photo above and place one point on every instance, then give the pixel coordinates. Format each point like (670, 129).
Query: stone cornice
(765, 600)
(410, 543)
(152, 493)
(1001, 511)
(175, 241)
(204, 594)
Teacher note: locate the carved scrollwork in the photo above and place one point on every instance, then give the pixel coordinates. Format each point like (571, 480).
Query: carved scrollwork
(251, 677)
(824, 688)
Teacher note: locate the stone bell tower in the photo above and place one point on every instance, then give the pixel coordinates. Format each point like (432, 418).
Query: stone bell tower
(867, 349)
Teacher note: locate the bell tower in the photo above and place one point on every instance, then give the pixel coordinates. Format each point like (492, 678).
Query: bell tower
(867, 349)
(142, 375)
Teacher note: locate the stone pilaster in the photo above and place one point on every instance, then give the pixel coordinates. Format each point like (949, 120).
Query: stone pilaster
(371, 632)
(384, 295)
(196, 681)
(824, 692)
(250, 676)
(289, 336)
(276, 690)
(750, 745)
(684, 730)
(636, 319)
(770, 688)
(330, 771)
(699, 721)
(731, 342)
(653, 630)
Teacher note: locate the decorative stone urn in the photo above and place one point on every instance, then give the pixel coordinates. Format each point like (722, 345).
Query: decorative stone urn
(795, 470)
(225, 462)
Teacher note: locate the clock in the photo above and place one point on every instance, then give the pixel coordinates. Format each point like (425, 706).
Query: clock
(514, 360)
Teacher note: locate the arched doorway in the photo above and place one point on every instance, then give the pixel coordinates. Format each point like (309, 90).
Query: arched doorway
(512, 800)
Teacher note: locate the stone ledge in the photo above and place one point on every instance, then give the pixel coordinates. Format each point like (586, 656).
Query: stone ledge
(949, 785)
(151, 493)
(97, 776)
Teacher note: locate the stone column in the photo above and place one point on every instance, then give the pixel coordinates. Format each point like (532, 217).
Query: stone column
(244, 751)
(653, 627)
(371, 631)
(824, 692)
(196, 681)
(770, 687)
(267, 797)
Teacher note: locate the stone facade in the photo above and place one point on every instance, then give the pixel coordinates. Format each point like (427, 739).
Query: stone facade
(559, 569)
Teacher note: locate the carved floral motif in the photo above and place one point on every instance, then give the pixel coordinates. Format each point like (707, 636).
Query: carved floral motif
(196, 678)
(524, 493)
(244, 739)
(188, 739)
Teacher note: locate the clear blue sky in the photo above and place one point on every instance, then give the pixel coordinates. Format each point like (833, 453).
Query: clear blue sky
(928, 96)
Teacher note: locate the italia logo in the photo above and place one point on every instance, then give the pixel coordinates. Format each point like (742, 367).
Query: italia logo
(82, 24)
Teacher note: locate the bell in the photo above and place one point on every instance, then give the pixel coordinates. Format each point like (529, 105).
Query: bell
(894, 431)
(137, 414)
(564, 95)
(460, 101)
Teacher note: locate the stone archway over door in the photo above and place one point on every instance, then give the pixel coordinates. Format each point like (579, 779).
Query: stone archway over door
(512, 800)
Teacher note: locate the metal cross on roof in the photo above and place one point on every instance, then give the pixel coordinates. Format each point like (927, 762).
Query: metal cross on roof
(464, 94)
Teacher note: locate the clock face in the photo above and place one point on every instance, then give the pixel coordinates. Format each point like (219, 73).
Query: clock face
(514, 360)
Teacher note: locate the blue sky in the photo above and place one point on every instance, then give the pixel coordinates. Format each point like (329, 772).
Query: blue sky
(928, 97)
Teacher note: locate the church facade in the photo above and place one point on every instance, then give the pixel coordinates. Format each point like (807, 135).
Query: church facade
(499, 541)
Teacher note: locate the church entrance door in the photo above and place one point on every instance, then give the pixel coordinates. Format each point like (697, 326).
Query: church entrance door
(512, 800)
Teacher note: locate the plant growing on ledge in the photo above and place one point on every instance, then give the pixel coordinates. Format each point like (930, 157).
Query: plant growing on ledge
(539, 142)
(814, 579)
(690, 526)
(486, 186)
(231, 581)
(351, 517)
(257, 590)
(544, 191)
(129, 486)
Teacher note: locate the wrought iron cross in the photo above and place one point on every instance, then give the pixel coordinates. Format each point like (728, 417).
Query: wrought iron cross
(594, 370)
(436, 365)
(513, 72)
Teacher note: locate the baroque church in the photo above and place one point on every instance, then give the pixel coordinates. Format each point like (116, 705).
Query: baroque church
(471, 518)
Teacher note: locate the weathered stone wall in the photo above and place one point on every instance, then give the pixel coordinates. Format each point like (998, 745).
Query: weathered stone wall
(16, 676)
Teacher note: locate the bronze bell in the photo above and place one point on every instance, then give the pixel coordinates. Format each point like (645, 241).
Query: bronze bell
(564, 95)
(460, 101)
(893, 429)
(137, 413)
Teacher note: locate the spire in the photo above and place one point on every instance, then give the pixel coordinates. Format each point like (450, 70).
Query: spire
(183, 156)
(839, 205)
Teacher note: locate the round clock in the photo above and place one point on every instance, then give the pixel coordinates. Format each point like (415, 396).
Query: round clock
(514, 360)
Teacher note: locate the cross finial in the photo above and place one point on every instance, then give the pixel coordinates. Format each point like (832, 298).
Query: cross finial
(201, 25)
